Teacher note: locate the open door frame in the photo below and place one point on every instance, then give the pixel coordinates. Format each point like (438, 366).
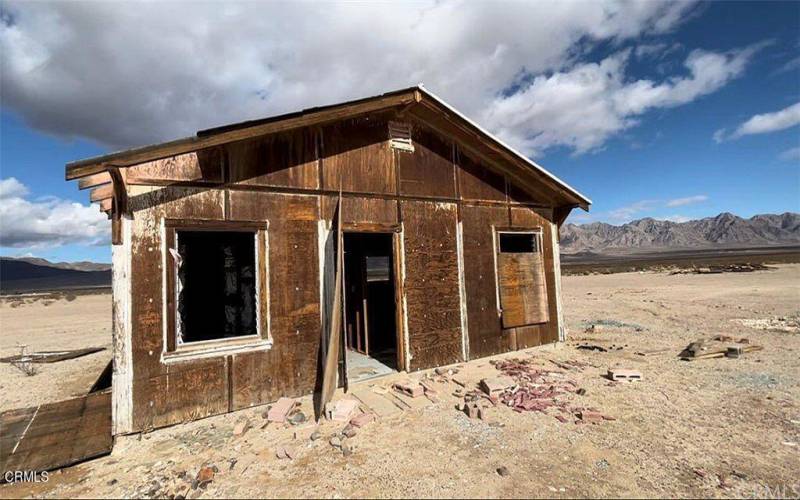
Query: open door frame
(396, 230)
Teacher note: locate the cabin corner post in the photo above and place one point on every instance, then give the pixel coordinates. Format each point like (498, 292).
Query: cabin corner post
(122, 354)
(562, 327)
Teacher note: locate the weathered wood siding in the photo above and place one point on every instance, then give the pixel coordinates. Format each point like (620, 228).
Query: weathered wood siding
(431, 285)
(292, 181)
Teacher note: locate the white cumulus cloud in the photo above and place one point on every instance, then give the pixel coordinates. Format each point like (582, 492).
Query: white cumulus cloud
(583, 107)
(763, 123)
(131, 73)
(47, 222)
(792, 154)
(689, 200)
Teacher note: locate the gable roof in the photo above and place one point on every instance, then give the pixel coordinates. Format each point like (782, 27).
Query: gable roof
(419, 101)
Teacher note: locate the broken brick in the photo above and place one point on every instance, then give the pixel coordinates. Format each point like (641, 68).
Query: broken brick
(361, 420)
(590, 416)
(409, 388)
(280, 410)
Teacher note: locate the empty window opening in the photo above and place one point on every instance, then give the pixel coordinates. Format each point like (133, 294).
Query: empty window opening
(216, 285)
(370, 323)
(519, 243)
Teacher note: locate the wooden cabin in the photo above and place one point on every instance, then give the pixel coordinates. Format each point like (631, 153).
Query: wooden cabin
(229, 249)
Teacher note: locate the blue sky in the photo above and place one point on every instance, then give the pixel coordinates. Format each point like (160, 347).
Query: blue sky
(665, 110)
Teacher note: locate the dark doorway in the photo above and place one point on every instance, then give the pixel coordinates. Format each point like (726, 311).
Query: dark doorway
(370, 325)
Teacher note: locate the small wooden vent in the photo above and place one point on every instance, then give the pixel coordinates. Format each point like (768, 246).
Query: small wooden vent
(400, 136)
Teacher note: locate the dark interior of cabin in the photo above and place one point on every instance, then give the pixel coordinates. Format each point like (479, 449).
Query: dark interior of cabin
(217, 285)
(370, 325)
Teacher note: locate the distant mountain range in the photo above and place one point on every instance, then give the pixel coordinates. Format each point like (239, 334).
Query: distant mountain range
(723, 231)
(29, 274)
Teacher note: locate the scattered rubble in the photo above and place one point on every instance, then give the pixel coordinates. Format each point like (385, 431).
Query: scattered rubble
(717, 347)
(724, 268)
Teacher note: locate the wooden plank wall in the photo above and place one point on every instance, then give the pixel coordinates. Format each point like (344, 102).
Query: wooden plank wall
(292, 181)
(431, 286)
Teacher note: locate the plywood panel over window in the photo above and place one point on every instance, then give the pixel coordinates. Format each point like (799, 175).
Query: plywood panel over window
(521, 278)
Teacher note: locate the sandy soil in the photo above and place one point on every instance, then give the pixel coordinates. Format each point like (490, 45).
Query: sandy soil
(708, 428)
(51, 322)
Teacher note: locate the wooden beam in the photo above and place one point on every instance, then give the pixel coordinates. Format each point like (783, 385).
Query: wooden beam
(106, 205)
(101, 193)
(94, 180)
(91, 166)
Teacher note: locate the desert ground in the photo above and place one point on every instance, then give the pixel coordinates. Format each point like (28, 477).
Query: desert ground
(707, 428)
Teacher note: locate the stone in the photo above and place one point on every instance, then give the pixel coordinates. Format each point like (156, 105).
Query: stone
(204, 476)
(347, 450)
(503, 471)
(315, 435)
(581, 392)
(297, 418)
(336, 441)
(349, 431)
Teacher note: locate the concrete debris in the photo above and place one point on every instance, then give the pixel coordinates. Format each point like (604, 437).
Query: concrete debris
(280, 410)
(624, 375)
(349, 431)
(361, 420)
(409, 388)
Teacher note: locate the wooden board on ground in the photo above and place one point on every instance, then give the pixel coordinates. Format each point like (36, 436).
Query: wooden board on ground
(51, 356)
(56, 434)
(377, 403)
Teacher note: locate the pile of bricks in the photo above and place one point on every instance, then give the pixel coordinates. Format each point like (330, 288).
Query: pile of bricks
(536, 389)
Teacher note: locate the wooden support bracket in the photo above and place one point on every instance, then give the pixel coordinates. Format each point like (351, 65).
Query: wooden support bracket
(119, 204)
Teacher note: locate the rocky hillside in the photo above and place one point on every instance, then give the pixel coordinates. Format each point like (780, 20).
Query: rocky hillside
(724, 230)
(34, 275)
